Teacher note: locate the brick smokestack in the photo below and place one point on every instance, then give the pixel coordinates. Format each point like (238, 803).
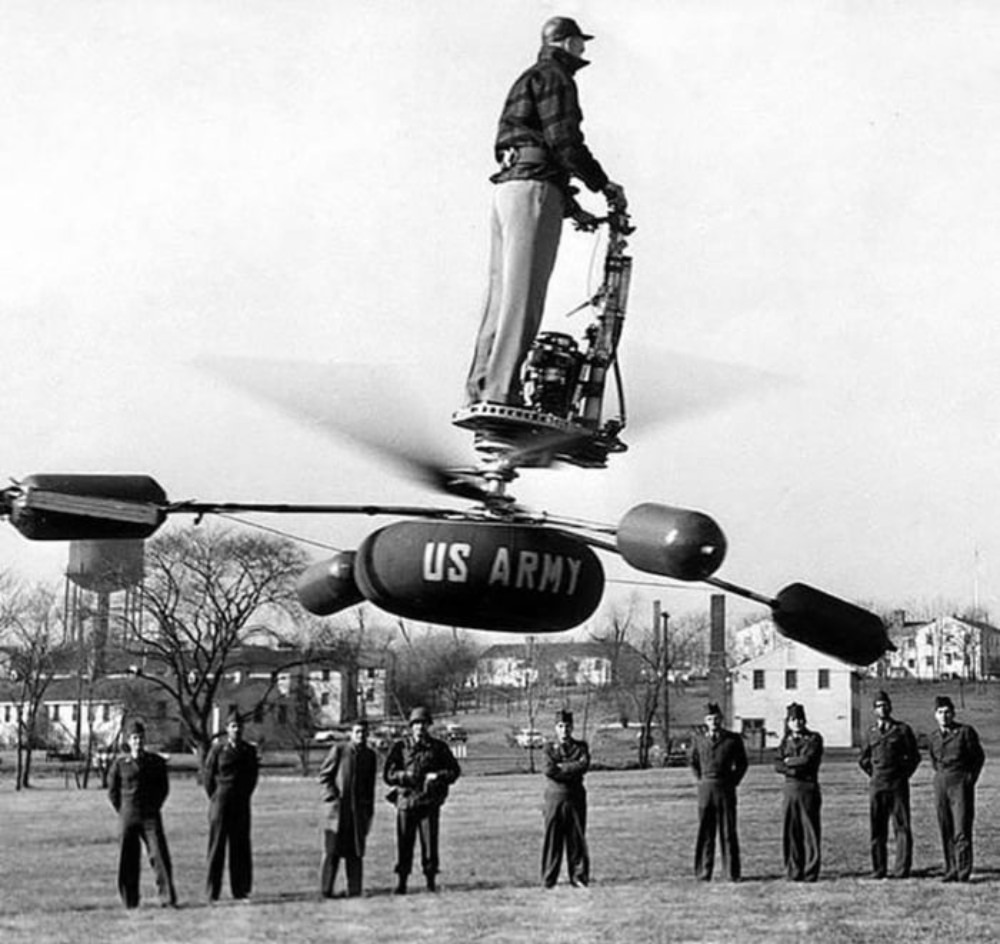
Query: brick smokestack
(718, 690)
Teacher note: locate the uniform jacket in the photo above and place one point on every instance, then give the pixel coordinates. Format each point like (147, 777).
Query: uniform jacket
(138, 786)
(231, 770)
(798, 758)
(542, 110)
(406, 769)
(889, 757)
(723, 760)
(957, 750)
(565, 766)
(348, 781)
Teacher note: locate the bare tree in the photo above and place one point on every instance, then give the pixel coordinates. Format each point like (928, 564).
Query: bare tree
(32, 623)
(206, 592)
(434, 668)
(644, 657)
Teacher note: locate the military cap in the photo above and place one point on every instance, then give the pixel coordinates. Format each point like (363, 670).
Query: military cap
(712, 708)
(882, 698)
(557, 28)
(420, 713)
(943, 701)
(136, 727)
(564, 717)
(796, 711)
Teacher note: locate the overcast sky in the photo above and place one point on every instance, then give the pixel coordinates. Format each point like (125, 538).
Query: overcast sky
(814, 186)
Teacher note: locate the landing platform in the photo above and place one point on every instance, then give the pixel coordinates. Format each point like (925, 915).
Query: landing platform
(533, 439)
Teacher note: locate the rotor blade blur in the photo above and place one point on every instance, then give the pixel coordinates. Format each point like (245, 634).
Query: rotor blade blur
(381, 407)
(667, 386)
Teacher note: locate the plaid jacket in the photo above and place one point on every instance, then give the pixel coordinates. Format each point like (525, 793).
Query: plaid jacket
(543, 111)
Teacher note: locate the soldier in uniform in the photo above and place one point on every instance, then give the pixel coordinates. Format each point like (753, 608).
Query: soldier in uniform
(137, 789)
(230, 776)
(420, 769)
(719, 761)
(889, 756)
(798, 758)
(566, 763)
(348, 779)
(957, 758)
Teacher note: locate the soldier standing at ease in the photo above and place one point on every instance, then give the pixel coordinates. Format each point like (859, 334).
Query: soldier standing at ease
(348, 779)
(957, 758)
(231, 771)
(798, 758)
(719, 761)
(137, 789)
(566, 763)
(889, 756)
(420, 769)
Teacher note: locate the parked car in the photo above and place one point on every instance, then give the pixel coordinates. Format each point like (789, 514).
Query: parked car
(455, 732)
(529, 737)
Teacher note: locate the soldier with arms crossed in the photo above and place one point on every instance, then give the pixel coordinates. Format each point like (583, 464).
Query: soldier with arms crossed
(566, 762)
(798, 758)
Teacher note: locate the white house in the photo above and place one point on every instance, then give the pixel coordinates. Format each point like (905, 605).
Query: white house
(948, 647)
(764, 686)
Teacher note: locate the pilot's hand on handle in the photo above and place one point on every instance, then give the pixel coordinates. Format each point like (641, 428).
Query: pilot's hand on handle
(615, 195)
(584, 221)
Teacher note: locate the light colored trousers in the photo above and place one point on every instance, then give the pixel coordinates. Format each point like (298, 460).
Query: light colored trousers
(525, 226)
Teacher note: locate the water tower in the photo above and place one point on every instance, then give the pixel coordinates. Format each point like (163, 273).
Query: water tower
(103, 586)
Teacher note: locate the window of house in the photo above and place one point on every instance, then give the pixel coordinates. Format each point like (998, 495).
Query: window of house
(324, 699)
(791, 678)
(6, 714)
(55, 712)
(947, 658)
(929, 661)
(106, 712)
(758, 679)
(823, 678)
(929, 639)
(326, 675)
(911, 663)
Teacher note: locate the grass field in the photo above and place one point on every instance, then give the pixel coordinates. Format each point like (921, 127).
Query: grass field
(58, 856)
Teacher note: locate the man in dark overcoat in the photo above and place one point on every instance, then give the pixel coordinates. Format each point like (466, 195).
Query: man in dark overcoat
(230, 776)
(348, 780)
(889, 756)
(957, 758)
(137, 788)
(798, 758)
(420, 769)
(719, 761)
(566, 762)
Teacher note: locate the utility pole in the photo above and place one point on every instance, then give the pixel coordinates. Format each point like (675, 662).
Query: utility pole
(665, 676)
